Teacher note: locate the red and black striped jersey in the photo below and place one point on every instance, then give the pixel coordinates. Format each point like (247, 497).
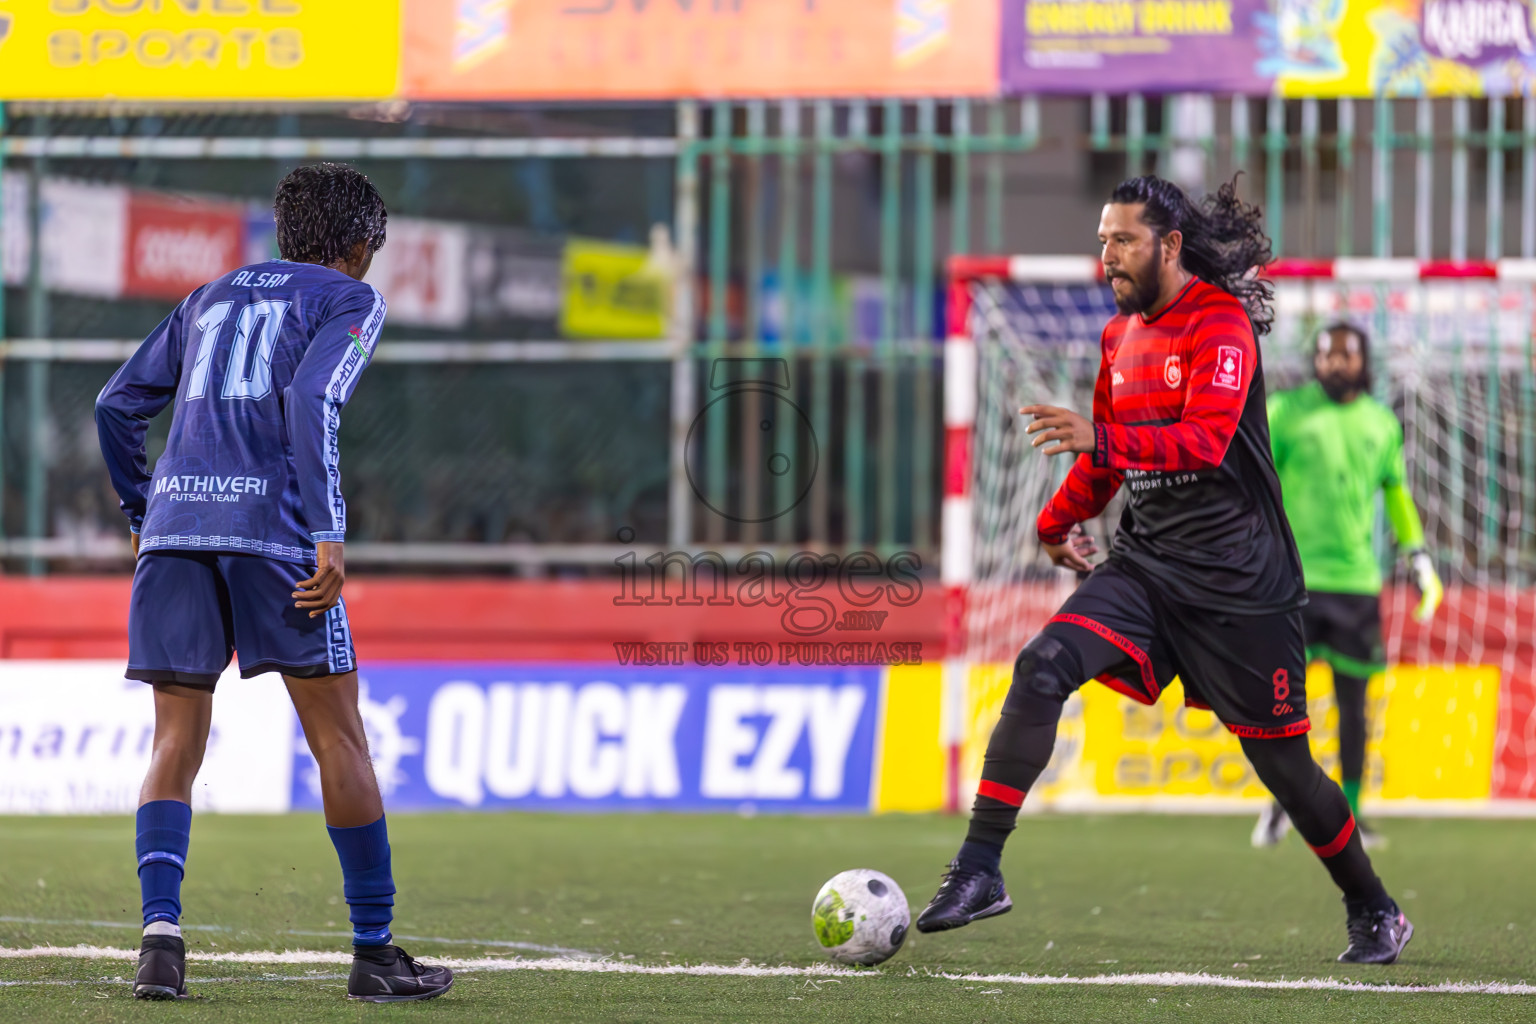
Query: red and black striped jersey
(1179, 419)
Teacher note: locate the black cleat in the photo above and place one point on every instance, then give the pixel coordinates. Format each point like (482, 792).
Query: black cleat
(388, 974)
(1376, 936)
(162, 968)
(967, 894)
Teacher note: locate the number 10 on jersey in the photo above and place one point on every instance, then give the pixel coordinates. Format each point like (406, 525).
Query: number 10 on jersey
(247, 374)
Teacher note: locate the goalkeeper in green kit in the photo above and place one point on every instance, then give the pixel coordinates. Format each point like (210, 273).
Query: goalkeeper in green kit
(1335, 446)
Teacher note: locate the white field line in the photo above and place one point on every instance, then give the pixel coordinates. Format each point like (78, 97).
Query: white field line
(87, 923)
(486, 963)
(1164, 979)
(1179, 979)
(531, 947)
(202, 981)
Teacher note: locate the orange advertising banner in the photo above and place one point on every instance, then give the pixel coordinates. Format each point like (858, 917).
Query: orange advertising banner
(655, 49)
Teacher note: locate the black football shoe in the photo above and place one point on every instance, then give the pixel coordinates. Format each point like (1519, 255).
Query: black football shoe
(162, 968)
(1376, 936)
(967, 894)
(388, 974)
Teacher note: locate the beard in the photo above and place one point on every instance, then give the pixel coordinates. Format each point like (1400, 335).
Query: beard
(1144, 289)
(1338, 387)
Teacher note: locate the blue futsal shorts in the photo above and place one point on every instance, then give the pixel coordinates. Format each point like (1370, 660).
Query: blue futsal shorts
(191, 610)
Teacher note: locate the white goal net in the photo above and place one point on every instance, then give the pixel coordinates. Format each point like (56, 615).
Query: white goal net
(1453, 357)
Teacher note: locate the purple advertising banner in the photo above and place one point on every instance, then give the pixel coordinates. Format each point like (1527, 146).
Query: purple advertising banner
(1158, 46)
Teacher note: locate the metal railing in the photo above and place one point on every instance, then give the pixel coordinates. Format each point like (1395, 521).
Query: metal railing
(810, 235)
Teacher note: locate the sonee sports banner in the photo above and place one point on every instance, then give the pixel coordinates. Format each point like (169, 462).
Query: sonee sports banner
(199, 49)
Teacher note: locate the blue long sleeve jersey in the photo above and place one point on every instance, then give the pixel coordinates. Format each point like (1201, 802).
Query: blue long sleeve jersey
(259, 363)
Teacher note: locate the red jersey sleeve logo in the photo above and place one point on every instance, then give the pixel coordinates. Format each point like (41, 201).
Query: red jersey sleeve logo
(1229, 368)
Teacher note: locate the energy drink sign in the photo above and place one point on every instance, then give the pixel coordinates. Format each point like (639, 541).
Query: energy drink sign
(1077, 46)
(1258, 47)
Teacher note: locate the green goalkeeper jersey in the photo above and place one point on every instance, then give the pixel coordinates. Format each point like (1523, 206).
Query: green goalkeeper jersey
(1332, 459)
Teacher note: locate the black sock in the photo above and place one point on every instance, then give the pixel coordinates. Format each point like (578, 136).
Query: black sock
(1018, 752)
(1317, 808)
(1016, 756)
(982, 855)
(1350, 868)
(1046, 672)
(382, 955)
(1381, 904)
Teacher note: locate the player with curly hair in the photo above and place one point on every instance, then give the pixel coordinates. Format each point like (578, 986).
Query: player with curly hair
(238, 536)
(1202, 581)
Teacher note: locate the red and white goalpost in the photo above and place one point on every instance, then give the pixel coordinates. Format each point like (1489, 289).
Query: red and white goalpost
(1454, 354)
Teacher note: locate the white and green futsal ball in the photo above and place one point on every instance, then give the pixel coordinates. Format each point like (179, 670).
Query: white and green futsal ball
(861, 917)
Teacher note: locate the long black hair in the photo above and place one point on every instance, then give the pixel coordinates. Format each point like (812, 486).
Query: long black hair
(324, 210)
(1224, 241)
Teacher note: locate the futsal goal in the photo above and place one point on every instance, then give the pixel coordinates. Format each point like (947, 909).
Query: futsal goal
(1454, 356)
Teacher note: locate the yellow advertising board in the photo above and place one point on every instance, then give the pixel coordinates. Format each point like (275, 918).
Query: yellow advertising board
(199, 49)
(911, 754)
(1437, 742)
(1432, 740)
(613, 291)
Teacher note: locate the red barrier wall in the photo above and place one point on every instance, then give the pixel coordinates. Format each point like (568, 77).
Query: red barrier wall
(468, 619)
(518, 620)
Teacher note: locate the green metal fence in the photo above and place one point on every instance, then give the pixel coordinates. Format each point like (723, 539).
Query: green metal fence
(812, 237)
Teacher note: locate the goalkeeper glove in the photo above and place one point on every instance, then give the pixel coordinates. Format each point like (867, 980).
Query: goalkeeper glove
(1425, 578)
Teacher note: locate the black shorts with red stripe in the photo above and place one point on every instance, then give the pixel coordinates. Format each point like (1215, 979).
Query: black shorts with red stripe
(1249, 669)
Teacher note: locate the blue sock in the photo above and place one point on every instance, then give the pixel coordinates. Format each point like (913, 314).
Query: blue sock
(981, 854)
(366, 880)
(164, 828)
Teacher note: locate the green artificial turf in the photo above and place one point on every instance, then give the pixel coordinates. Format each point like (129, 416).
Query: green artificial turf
(1093, 895)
